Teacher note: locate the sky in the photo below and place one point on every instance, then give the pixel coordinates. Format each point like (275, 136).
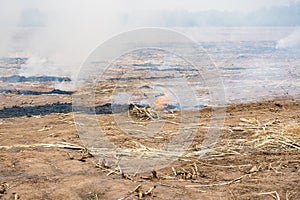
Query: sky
(200, 5)
(12, 9)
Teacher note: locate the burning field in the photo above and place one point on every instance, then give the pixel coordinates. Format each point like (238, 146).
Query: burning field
(256, 155)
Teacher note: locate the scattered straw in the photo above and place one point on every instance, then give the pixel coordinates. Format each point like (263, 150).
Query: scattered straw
(61, 145)
(274, 194)
(216, 184)
(266, 137)
(143, 113)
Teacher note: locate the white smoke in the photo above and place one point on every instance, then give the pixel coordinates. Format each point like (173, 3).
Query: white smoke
(38, 66)
(60, 34)
(292, 41)
(58, 37)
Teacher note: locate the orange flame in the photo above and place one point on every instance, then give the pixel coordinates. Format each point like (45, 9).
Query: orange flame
(162, 101)
(28, 55)
(21, 54)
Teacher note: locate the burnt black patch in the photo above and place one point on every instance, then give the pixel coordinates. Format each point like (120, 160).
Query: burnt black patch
(30, 92)
(18, 78)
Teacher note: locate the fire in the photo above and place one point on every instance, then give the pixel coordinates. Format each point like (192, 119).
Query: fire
(162, 101)
(28, 55)
(19, 54)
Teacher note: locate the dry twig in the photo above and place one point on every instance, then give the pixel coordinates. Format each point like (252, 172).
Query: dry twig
(215, 184)
(274, 194)
(60, 145)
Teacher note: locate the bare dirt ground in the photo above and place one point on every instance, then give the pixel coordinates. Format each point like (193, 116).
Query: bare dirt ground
(42, 157)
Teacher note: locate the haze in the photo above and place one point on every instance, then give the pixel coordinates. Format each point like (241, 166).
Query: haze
(65, 32)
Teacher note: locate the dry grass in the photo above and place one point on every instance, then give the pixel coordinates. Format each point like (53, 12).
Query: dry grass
(143, 113)
(264, 137)
(60, 145)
